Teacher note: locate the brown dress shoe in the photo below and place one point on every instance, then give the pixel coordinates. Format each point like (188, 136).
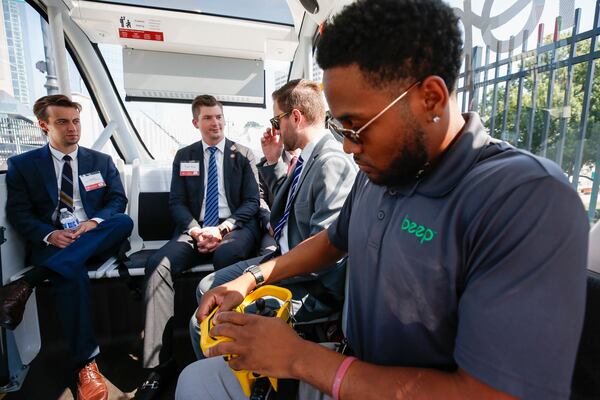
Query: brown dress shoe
(13, 298)
(90, 384)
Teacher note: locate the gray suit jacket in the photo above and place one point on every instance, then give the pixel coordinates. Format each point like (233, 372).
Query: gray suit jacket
(325, 183)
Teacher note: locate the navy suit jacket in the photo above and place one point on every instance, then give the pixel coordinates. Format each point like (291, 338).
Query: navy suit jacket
(241, 187)
(33, 191)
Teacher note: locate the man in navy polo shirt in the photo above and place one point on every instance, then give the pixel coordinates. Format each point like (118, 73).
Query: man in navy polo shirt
(466, 256)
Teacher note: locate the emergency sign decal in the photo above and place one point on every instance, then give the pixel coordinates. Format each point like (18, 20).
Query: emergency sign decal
(139, 28)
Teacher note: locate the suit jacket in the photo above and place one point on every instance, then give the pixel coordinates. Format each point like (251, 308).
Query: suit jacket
(266, 195)
(326, 181)
(33, 191)
(241, 187)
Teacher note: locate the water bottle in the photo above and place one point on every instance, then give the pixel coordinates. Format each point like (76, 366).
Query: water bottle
(68, 220)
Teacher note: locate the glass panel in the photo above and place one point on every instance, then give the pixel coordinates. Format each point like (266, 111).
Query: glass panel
(589, 181)
(22, 81)
(166, 127)
(563, 143)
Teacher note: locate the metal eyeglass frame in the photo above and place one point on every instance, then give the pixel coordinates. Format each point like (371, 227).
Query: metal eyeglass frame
(351, 134)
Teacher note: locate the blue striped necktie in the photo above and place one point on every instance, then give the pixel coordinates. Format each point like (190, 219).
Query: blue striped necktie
(286, 214)
(211, 210)
(66, 186)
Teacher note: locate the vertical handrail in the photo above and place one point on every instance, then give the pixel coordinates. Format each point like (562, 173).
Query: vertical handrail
(58, 49)
(550, 94)
(474, 92)
(495, 91)
(535, 88)
(520, 87)
(467, 82)
(564, 116)
(511, 45)
(485, 79)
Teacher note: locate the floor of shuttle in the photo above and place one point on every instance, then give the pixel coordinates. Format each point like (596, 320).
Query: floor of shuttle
(118, 314)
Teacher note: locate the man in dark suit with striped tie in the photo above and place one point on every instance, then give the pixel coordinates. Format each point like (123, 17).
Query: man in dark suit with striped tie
(41, 182)
(214, 201)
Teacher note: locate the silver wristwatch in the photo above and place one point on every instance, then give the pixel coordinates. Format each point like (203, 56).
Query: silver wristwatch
(257, 273)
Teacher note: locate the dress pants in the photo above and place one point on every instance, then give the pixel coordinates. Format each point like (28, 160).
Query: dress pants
(71, 285)
(178, 255)
(212, 379)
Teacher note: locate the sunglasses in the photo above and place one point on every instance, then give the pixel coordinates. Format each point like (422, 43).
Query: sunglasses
(354, 135)
(277, 119)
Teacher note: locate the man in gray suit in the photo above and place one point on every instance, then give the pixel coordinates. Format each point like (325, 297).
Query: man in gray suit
(306, 200)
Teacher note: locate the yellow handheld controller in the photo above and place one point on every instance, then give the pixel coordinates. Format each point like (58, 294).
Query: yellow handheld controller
(255, 299)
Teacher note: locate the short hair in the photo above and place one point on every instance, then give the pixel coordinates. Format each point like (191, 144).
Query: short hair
(303, 95)
(204, 100)
(392, 40)
(40, 108)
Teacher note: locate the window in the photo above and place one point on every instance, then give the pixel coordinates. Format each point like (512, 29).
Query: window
(22, 82)
(164, 128)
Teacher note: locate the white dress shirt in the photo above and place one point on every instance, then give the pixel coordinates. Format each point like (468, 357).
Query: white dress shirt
(57, 159)
(224, 211)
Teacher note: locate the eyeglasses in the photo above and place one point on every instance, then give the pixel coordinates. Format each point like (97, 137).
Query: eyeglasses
(352, 135)
(276, 119)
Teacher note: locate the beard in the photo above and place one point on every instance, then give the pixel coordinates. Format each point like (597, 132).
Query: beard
(406, 165)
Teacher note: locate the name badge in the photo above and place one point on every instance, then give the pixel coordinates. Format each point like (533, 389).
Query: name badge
(189, 168)
(92, 181)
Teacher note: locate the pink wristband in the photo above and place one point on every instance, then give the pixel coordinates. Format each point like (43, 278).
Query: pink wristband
(339, 376)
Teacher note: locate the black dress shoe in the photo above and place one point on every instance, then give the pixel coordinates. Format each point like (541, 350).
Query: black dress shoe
(13, 298)
(152, 386)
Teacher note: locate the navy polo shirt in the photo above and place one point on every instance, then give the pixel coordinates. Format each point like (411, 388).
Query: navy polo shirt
(478, 264)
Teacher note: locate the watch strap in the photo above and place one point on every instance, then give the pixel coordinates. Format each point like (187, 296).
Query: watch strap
(257, 273)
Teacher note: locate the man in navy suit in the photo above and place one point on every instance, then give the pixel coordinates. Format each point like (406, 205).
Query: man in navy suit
(214, 201)
(41, 182)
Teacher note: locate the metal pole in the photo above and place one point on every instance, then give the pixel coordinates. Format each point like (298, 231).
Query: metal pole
(520, 89)
(511, 45)
(467, 82)
(589, 78)
(595, 184)
(495, 91)
(564, 116)
(58, 47)
(550, 94)
(535, 87)
(51, 81)
(485, 78)
(474, 92)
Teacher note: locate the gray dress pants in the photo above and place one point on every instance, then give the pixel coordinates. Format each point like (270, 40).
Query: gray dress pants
(178, 255)
(225, 275)
(212, 379)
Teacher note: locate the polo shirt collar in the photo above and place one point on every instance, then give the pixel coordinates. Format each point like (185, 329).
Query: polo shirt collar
(455, 163)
